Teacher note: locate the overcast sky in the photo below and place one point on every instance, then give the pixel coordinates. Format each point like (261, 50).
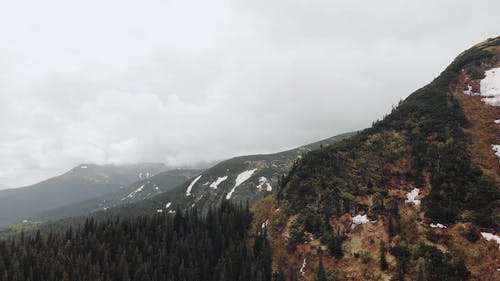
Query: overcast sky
(101, 81)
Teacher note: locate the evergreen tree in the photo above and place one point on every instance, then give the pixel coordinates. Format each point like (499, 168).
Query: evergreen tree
(383, 260)
(183, 247)
(320, 272)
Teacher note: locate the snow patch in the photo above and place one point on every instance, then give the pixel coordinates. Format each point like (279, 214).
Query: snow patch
(412, 195)
(83, 167)
(264, 224)
(496, 148)
(490, 87)
(360, 219)
(168, 205)
(188, 191)
(159, 211)
(303, 267)
(490, 236)
(171, 212)
(197, 200)
(264, 184)
(494, 101)
(437, 225)
(133, 193)
(497, 121)
(469, 91)
(216, 183)
(241, 178)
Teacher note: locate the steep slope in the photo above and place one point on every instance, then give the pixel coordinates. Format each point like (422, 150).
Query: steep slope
(148, 187)
(80, 183)
(415, 197)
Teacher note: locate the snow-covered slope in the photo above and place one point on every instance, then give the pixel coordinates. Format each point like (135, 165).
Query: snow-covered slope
(490, 87)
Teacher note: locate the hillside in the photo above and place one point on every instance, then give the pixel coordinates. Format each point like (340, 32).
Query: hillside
(415, 197)
(255, 177)
(150, 186)
(80, 183)
(240, 179)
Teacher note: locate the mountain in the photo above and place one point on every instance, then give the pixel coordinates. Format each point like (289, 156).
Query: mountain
(241, 179)
(80, 183)
(148, 187)
(414, 197)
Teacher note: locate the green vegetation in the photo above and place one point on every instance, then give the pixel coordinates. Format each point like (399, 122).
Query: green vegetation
(422, 143)
(161, 247)
(296, 235)
(439, 266)
(470, 233)
(18, 229)
(383, 260)
(334, 242)
(424, 134)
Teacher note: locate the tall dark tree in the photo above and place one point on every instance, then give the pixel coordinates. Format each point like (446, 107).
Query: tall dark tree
(320, 272)
(383, 260)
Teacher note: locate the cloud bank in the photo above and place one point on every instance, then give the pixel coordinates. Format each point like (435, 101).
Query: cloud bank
(187, 81)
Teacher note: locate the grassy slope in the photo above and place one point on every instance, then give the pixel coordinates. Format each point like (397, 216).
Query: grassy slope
(424, 143)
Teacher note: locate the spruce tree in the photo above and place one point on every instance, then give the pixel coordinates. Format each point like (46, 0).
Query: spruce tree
(320, 272)
(383, 260)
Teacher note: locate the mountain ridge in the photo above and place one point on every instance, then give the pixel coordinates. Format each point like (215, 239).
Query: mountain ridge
(202, 196)
(148, 187)
(79, 183)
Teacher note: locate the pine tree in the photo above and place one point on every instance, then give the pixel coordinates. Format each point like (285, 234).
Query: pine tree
(279, 275)
(320, 272)
(383, 260)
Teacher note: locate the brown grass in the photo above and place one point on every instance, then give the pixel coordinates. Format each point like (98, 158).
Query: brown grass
(484, 131)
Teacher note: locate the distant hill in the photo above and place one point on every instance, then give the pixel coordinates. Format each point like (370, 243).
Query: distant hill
(80, 183)
(148, 187)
